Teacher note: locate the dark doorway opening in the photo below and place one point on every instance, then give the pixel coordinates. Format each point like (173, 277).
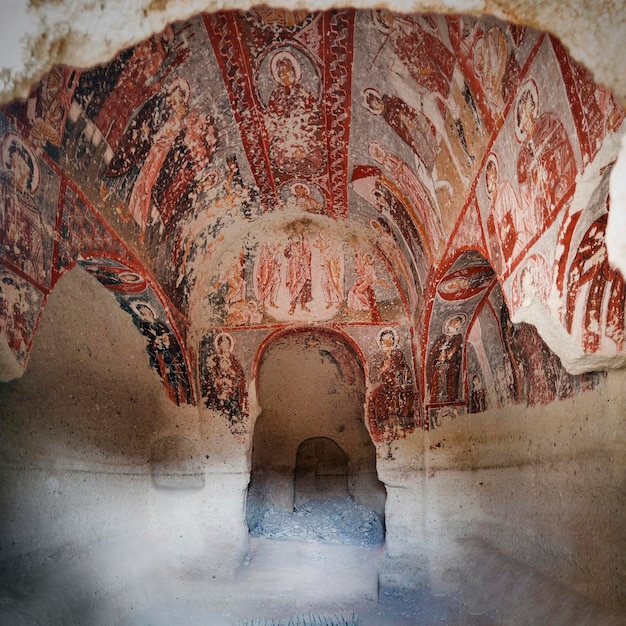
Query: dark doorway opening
(321, 471)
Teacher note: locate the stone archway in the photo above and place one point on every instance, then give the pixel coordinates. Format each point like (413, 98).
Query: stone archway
(310, 440)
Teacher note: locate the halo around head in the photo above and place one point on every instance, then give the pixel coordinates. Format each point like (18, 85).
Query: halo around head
(457, 320)
(137, 305)
(220, 336)
(182, 84)
(529, 87)
(388, 331)
(370, 91)
(282, 56)
(11, 144)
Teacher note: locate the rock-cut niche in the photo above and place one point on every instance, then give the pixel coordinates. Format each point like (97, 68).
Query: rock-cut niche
(313, 461)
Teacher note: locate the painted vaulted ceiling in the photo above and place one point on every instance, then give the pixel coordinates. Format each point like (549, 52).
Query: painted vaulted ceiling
(429, 187)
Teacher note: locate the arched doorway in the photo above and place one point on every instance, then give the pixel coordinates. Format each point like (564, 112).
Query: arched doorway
(310, 443)
(321, 471)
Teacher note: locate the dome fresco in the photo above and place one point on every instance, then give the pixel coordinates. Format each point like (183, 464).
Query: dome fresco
(240, 174)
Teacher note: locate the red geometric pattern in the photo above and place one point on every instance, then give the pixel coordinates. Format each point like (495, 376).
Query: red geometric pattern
(83, 231)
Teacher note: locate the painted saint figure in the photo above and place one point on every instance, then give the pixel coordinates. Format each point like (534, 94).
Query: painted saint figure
(426, 208)
(23, 239)
(235, 280)
(391, 404)
(546, 167)
(298, 254)
(165, 354)
(412, 126)
(361, 296)
(445, 360)
(431, 65)
(591, 269)
(303, 200)
(503, 210)
(20, 304)
(293, 119)
(48, 111)
(224, 383)
(490, 54)
(267, 274)
(138, 81)
(478, 395)
(140, 201)
(332, 274)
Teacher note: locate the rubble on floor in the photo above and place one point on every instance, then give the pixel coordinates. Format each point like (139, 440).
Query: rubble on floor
(334, 521)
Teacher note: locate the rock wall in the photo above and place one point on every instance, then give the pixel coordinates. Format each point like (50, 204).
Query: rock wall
(540, 487)
(86, 529)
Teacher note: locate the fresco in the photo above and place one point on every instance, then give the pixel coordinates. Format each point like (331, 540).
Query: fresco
(29, 191)
(82, 231)
(529, 173)
(533, 213)
(594, 306)
(137, 297)
(392, 404)
(303, 271)
(480, 359)
(223, 382)
(248, 171)
(289, 85)
(427, 107)
(20, 306)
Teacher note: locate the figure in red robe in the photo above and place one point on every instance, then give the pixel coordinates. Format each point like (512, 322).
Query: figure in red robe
(391, 404)
(546, 168)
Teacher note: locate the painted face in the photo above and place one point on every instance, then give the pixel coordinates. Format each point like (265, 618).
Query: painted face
(286, 74)
(176, 98)
(377, 152)
(381, 201)
(146, 313)
(375, 104)
(526, 111)
(21, 171)
(453, 326)
(386, 343)
(385, 18)
(223, 346)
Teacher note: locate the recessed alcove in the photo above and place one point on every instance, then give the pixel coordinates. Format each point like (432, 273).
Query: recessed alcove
(321, 471)
(310, 441)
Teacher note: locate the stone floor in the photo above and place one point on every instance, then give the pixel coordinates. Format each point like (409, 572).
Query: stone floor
(281, 582)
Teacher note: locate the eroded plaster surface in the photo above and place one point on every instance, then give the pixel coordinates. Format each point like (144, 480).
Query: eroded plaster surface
(266, 169)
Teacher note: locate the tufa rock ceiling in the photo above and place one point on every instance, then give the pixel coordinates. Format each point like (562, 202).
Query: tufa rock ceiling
(433, 190)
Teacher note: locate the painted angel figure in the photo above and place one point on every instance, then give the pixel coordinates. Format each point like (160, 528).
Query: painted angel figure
(546, 167)
(332, 272)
